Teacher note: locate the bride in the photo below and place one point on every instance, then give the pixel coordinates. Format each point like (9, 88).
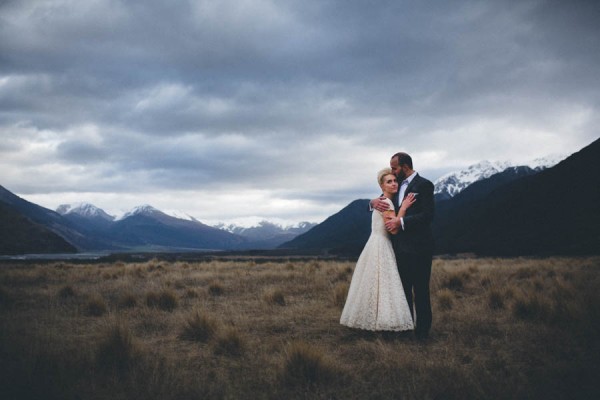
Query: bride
(376, 299)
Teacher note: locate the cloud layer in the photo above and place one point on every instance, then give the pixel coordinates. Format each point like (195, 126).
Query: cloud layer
(242, 110)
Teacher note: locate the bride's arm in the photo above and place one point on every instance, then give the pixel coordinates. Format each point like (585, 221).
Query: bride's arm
(394, 223)
(406, 203)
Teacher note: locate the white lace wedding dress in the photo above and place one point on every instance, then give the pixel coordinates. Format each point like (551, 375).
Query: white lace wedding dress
(376, 299)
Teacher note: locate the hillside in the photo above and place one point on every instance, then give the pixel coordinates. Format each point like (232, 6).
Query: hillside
(345, 232)
(518, 211)
(19, 235)
(552, 212)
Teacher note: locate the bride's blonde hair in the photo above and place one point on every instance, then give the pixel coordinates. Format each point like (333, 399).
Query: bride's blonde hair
(381, 174)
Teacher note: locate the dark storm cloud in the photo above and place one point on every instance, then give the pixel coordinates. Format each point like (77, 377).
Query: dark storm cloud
(187, 95)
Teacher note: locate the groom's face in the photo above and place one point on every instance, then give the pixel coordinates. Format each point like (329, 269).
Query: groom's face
(396, 169)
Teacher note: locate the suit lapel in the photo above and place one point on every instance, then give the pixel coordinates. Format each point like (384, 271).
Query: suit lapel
(411, 185)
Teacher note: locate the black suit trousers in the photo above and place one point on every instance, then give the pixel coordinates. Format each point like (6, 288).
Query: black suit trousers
(415, 271)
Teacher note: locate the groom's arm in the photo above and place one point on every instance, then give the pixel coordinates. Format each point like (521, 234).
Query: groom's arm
(424, 215)
(379, 204)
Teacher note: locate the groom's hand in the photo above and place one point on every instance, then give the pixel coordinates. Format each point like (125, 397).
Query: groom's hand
(392, 224)
(380, 204)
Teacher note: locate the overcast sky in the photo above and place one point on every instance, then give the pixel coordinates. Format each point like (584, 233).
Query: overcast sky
(242, 110)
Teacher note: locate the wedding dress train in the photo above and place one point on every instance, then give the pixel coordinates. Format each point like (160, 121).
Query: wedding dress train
(376, 299)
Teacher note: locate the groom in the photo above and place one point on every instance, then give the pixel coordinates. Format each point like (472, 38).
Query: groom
(413, 244)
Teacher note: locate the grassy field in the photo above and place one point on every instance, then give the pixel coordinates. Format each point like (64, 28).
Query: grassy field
(260, 329)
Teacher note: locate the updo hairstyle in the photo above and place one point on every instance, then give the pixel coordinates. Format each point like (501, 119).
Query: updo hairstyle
(382, 174)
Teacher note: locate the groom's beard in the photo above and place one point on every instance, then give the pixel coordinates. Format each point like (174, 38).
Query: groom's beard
(400, 177)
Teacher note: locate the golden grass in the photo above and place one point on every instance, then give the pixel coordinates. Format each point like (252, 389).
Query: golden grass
(503, 328)
(199, 327)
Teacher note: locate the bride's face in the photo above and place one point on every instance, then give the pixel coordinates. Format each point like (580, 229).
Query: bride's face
(389, 184)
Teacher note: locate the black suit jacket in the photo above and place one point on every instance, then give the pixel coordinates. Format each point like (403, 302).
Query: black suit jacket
(416, 236)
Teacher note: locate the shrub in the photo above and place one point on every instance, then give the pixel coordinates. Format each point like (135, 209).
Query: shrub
(96, 306)
(199, 327)
(164, 300)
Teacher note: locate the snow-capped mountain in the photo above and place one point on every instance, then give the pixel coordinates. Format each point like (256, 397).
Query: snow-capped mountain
(86, 210)
(453, 183)
(180, 215)
(546, 162)
(265, 228)
(144, 209)
(268, 234)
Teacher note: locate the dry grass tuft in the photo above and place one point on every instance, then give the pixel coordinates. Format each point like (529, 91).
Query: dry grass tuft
(524, 273)
(340, 293)
(274, 296)
(305, 365)
(456, 281)
(166, 299)
(127, 300)
(445, 299)
(216, 289)
(95, 306)
(531, 306)
(496, 299)
(502, 328)
(118, 350)
(66, 292)
(199, 327)
(230, 343)
(314, 267)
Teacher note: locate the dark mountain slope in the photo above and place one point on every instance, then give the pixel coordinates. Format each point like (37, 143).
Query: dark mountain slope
(553, 212)
(517, 212)
(345, 232)
(451, 214)
(154, 228)
(19, 235)
(55, 222)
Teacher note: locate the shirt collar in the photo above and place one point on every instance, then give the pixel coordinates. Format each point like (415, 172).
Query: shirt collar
(411, 177)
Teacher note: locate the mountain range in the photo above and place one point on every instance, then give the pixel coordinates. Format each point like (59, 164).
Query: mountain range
(519, 210)
(85, 227)
(449, 185)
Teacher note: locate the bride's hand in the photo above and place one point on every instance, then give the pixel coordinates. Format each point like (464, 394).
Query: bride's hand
(408, 201)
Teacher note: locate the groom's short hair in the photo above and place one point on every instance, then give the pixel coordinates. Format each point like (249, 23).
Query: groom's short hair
(404, 159)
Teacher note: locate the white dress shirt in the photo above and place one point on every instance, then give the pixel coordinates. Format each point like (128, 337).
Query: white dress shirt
(402, 191)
